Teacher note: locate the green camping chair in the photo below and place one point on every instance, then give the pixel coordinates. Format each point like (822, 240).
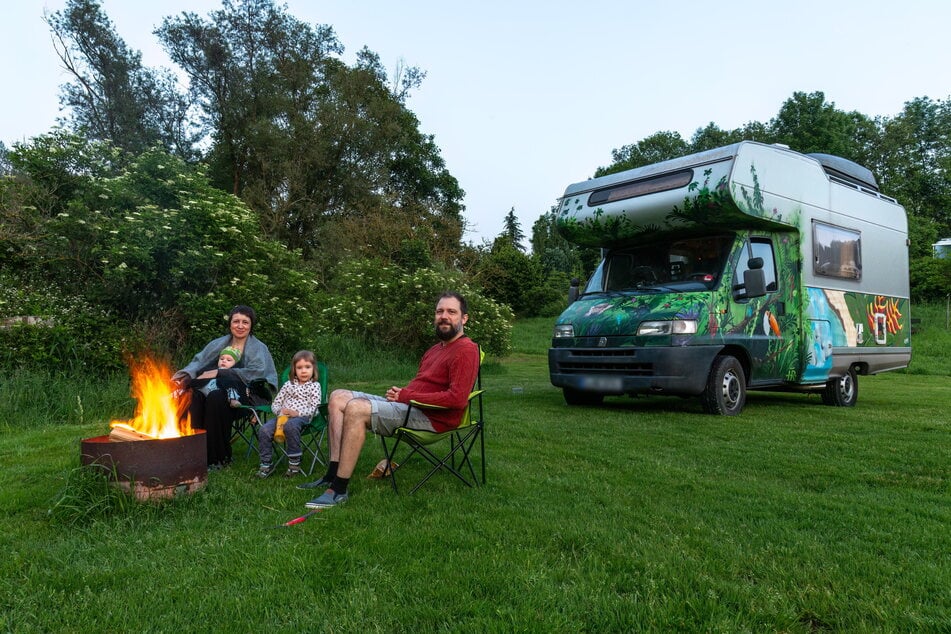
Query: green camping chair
(456, 458)
(245, 425)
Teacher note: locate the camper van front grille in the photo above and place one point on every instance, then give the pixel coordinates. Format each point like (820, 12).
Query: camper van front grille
(613, 361)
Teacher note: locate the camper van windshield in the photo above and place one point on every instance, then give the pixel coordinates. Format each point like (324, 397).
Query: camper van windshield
(673, 264)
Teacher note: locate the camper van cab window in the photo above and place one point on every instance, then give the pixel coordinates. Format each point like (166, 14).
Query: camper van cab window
(837, 252)
(641, 187)
(761, 248)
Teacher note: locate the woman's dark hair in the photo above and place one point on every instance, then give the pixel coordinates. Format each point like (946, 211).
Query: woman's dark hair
(247, 311)
(304, 355)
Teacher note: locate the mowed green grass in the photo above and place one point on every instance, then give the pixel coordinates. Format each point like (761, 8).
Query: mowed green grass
(641, 515)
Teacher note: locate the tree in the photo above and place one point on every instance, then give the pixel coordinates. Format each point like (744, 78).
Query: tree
(512, 230)
(555, 254)
(313, 145)
(660, 146)
(712, 136)
(112, 96)
(915, 163)
(807, 123)
(511, 277)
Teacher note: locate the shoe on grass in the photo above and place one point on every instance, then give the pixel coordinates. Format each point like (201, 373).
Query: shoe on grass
(383, 470)
(328, 499)
(316, 484)
(264, 471)
(293, 471)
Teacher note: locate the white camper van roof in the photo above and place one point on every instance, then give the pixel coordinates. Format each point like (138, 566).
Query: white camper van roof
(838, 168)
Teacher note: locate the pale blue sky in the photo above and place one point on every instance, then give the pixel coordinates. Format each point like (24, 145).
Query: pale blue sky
(527, 97)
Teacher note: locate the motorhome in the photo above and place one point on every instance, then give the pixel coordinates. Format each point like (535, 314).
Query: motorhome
(747, 267)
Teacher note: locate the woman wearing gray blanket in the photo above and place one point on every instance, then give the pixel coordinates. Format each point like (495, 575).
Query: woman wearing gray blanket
(213, 412)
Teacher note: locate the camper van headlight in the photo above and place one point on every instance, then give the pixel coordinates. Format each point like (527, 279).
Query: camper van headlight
(564, 330)
(671, 327)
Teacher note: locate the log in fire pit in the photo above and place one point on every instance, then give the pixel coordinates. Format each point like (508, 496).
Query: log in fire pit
(156, 454)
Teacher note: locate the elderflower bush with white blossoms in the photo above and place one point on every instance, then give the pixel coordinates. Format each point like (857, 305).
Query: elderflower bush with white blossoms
(151, 244)
(388, 305)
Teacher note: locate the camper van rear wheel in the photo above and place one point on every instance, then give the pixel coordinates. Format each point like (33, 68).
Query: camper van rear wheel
(725, 393)
(577, 397)
(843, 391)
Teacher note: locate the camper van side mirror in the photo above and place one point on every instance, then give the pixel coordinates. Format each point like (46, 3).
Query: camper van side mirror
(754, 280)
(573, 290)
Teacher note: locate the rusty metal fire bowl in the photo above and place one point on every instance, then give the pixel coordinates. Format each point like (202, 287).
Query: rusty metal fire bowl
(152, 468)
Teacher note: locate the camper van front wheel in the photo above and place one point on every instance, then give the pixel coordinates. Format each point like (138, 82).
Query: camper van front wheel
(725, 394)
(843, 391)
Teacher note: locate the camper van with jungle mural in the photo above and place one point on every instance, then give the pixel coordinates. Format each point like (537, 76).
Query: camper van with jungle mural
(747, 267)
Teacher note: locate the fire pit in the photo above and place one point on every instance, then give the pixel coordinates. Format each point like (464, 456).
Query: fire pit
(152, 468)
(156, 454)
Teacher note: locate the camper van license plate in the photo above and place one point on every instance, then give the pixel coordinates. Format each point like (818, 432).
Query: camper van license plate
(602, 383)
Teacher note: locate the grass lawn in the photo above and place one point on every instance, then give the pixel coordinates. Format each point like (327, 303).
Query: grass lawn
(643, 514)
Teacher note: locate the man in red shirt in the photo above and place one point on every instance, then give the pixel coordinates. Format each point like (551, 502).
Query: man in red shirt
(446, 375)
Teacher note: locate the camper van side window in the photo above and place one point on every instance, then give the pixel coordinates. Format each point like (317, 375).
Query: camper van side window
(641, 187)
(837, 252)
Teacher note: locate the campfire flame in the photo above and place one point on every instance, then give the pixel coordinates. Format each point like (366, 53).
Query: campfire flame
(158, 413)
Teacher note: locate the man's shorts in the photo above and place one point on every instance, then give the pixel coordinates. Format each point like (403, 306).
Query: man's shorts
(387, 415)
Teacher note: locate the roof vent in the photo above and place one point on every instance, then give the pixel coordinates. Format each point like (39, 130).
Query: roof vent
(846, 170)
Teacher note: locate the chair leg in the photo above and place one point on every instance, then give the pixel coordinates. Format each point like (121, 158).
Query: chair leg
(388, 454)
(482, 451)
(316, 451)
(246, 430)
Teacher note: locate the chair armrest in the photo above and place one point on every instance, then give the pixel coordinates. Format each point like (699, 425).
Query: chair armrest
(257, 412)
(415, 403)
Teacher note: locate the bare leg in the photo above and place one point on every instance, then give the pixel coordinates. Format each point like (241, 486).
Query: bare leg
(356, 421)
(335, 407)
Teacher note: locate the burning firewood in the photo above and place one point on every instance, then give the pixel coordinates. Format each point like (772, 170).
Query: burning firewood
(122, 433)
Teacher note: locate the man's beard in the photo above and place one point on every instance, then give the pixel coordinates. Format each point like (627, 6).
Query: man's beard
(446, 335)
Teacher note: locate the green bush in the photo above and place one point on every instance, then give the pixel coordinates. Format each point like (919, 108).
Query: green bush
(509, 276)
(45, 328)
(386, 305)
(151, 244)
(930, 279)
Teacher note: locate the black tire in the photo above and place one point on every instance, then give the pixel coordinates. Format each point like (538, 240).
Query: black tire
(725, 393)
(843, 391)
(577, 397)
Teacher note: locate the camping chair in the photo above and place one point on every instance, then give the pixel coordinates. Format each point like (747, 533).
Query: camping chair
(462, 440)
(245, 425)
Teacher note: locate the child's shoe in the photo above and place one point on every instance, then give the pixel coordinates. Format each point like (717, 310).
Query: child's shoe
(265, 470)
(293, 471)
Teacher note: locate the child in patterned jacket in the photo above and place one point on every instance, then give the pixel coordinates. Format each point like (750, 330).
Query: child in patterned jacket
(295, 404)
